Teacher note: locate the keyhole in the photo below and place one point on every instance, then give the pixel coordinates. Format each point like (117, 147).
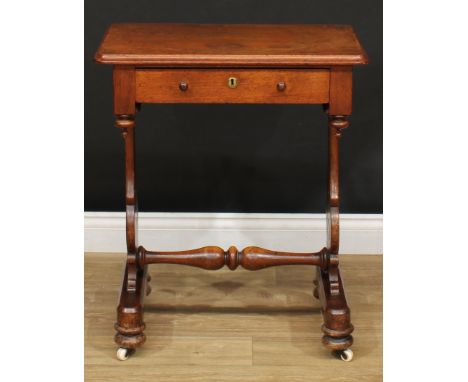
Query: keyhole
(232, 82)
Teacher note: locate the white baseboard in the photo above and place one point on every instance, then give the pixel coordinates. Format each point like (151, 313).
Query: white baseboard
(105, 231)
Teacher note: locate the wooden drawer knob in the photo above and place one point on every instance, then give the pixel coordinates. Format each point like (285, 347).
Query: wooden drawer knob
(183, 85)
(281, 86)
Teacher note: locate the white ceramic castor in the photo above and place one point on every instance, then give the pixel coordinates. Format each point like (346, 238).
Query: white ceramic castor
(346, 355)
(122, 354)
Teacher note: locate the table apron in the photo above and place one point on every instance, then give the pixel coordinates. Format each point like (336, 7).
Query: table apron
(237, 86)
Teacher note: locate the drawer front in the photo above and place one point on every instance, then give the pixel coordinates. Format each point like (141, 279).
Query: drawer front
(232, 86)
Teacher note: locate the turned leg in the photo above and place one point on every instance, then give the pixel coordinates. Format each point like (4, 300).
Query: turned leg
(130, 324)
(337, 325)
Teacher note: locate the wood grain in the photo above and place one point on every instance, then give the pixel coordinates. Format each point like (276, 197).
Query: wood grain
(341, 91)
(213, 258)
(124, 90)
(244, 326)
(147, 61)
(211, 86)
(230, 45)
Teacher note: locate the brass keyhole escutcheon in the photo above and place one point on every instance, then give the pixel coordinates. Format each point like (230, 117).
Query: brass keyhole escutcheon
(232, 82)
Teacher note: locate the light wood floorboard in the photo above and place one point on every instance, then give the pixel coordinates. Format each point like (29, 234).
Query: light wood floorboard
(232, 326)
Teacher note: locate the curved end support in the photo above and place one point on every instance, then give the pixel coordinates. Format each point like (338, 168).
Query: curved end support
(333, 230)
(126, 122)
(336, 124)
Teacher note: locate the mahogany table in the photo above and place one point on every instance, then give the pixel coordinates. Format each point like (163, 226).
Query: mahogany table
(238, 64)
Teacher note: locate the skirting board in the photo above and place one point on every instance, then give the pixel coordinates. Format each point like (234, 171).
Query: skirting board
(359, 234)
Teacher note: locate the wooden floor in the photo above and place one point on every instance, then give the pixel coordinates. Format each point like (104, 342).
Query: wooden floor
(232, 326)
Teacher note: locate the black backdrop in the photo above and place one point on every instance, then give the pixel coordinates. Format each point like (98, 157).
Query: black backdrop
(234, 158)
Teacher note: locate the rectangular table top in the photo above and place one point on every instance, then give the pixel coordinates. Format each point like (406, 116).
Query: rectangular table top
(230, 45)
